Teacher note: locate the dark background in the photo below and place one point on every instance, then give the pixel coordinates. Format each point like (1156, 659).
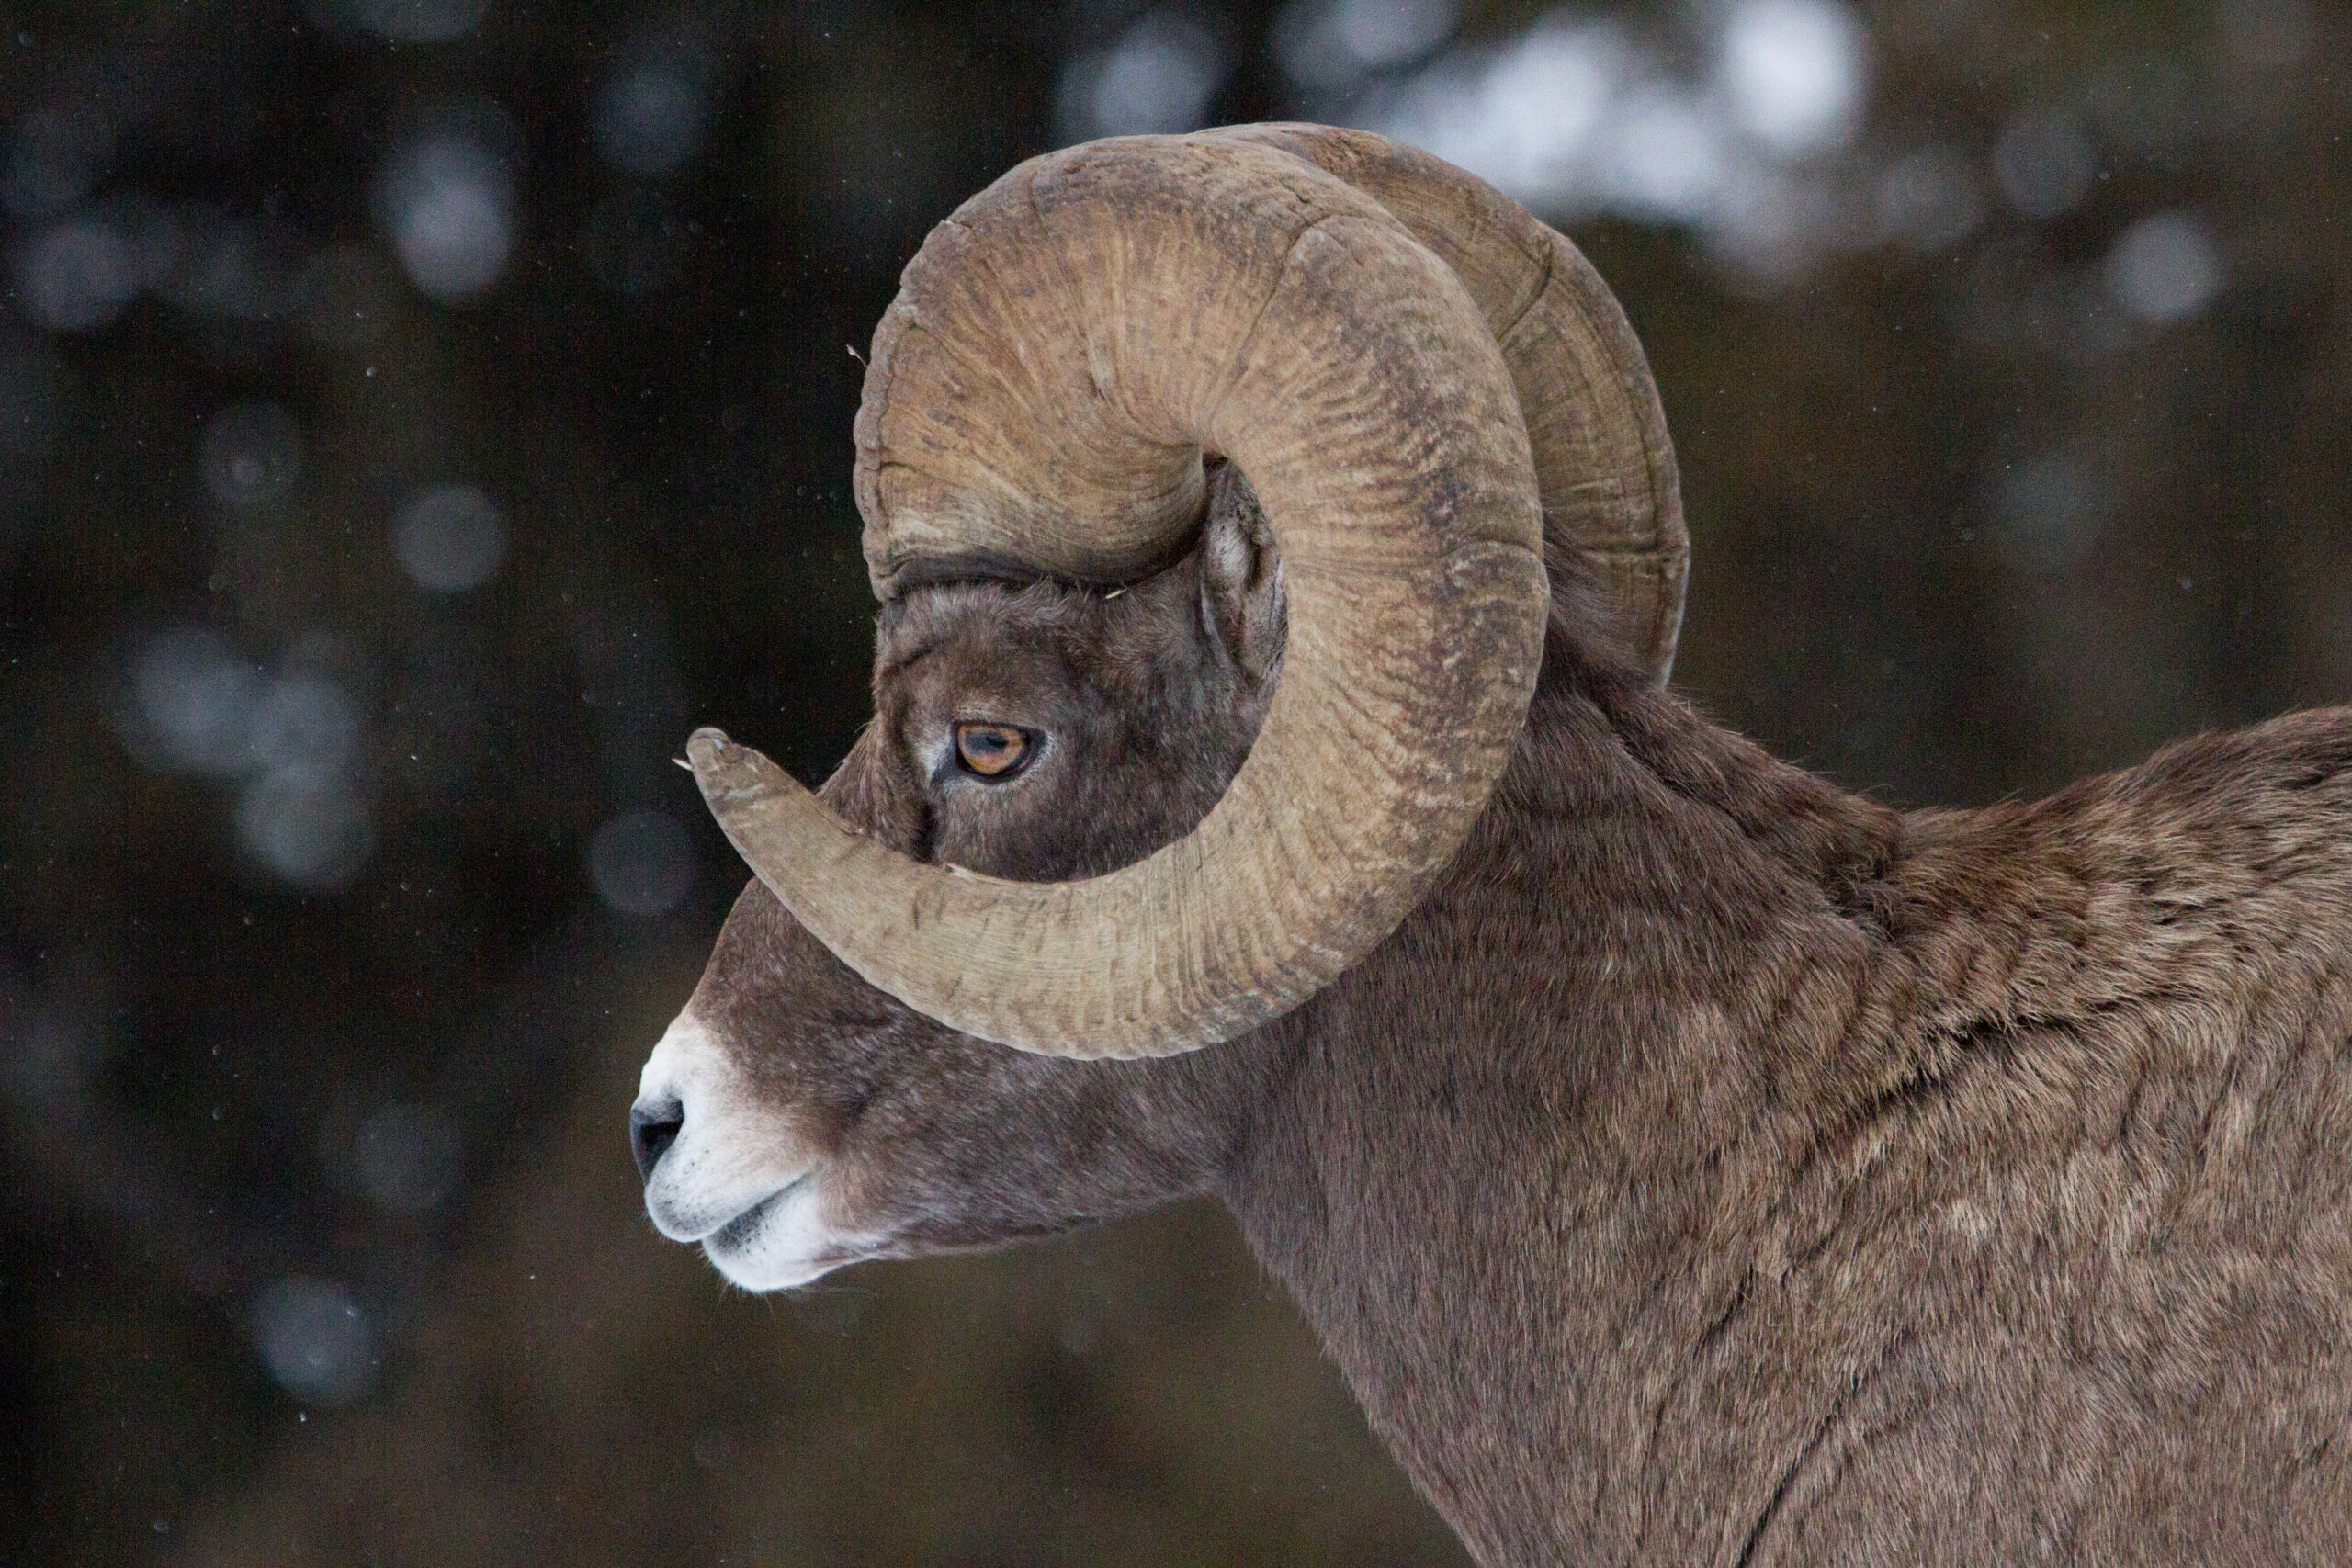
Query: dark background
(416, 414)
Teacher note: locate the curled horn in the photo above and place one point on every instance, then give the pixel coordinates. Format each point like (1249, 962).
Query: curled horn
(1063, 349)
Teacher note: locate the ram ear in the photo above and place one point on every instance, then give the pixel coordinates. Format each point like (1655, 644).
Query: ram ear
(1241, 576)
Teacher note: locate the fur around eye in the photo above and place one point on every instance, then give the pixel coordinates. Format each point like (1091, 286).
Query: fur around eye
(995, 751)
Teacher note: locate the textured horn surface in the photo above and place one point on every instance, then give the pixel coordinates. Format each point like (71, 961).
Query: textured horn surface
(1061, 351)
(1603, 463)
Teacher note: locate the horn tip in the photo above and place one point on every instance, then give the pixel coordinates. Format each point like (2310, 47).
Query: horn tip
(715, 760)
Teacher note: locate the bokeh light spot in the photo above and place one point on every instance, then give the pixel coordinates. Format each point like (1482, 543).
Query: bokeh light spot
(447, 201)
(2166, 268)
(449, 539)
(1526, 118)
(642, 863)
(1927, 200)
(314, 833)
(296, 740)
(78, 274)
(1661, 157)
(315, 1340)
(651, 118)
(2050, 512)
(251, 455)
(305, 730)
(1793, 74)
(194, 700)
(1326, 44)
(1158, 76)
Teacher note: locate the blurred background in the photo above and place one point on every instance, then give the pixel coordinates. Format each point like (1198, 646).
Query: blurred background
(415, 415)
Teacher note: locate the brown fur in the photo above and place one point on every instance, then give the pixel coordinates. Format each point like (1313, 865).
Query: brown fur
(1718, 1167)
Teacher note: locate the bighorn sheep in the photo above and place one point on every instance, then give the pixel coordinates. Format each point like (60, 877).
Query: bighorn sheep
(1684, 1160)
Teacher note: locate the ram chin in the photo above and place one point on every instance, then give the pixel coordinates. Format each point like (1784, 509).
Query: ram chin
(783, 1241)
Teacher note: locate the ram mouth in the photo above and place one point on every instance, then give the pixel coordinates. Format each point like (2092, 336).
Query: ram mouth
(733, 1235)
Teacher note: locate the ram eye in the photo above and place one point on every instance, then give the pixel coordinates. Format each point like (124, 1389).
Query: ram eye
(993, 750)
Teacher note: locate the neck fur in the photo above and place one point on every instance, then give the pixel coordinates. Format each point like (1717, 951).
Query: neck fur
(1495, 1151)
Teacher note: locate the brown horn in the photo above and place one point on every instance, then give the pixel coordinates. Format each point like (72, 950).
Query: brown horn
(1061, 351)
(1603, 463)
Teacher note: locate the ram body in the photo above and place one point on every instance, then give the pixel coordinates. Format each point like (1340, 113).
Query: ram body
(1711, 1165)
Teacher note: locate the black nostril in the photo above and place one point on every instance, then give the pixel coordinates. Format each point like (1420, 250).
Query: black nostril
(652, 1128)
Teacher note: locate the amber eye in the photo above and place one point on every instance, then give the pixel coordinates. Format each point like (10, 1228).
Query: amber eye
(992, 750)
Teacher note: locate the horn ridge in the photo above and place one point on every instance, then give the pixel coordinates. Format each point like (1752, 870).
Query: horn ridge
(1604, 462)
